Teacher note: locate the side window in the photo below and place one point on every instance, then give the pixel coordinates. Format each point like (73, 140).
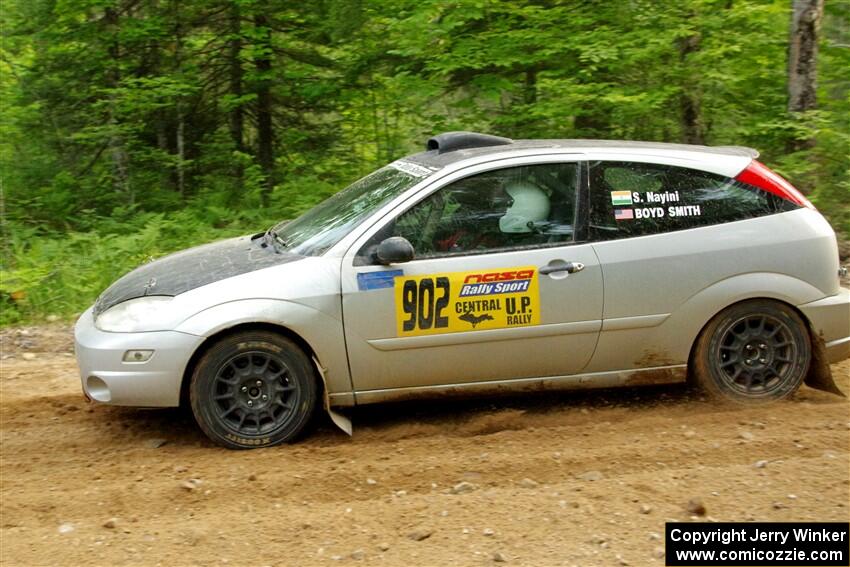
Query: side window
(527, 206)
(634, 199)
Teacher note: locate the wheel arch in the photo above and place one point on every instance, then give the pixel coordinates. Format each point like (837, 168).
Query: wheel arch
(739, 302)
(694, 314)
(209, 341)
(316, 326)
(819, 373)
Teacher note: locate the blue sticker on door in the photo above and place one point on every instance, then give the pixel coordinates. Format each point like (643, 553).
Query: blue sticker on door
(377, 280)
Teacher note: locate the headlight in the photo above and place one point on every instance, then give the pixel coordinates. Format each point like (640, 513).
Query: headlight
(142, 314)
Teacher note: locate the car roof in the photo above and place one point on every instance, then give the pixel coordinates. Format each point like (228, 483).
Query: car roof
(438, 159)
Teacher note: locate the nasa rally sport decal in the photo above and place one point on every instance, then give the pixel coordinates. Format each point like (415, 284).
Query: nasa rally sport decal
(467, 301)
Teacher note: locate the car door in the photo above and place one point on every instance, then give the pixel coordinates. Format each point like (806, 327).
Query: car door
(501, 286)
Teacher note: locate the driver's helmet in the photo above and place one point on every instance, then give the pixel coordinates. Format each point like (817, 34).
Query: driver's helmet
(529, 205)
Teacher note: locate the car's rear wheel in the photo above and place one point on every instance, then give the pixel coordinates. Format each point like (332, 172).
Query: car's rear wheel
(754, 351)
(253, 389)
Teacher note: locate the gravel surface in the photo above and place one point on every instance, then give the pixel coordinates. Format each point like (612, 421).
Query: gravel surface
(558, 479)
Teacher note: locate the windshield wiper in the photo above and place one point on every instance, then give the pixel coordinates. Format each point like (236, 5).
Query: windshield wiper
(276, 240)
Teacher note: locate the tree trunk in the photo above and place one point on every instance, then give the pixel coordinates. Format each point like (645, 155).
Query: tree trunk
(181, 150)
(152, 65)
(161, 132)
(6, 255)
(529, 93)
(236, 119)
(180, 137)
(693, 129)
(802, 54)
(265, 133)
(589, 123)
(375, 128)
(117, 149)
(802, 61)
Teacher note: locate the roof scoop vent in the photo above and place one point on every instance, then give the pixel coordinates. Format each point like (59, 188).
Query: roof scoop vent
(451, 141)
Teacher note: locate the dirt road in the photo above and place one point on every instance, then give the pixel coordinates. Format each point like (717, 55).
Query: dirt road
(567, 479)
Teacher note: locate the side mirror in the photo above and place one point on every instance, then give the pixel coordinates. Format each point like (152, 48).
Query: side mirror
(395, 250)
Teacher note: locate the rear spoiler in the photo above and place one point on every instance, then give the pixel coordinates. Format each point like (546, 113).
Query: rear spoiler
(753, 153)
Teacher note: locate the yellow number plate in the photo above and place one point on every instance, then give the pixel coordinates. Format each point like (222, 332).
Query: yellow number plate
(466, 301)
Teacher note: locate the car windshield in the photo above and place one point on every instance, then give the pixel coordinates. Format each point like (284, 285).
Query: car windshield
(314, 232)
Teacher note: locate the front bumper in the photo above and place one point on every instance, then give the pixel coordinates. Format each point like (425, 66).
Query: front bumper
(107, 379)
(830, 320)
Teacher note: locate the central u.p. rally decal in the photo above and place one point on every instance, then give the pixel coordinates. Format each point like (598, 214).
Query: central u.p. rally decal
(467, 301)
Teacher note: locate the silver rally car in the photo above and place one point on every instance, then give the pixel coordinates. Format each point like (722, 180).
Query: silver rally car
(485, 264)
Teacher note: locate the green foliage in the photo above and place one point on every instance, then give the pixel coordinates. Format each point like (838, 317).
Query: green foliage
(132, 128)
(62, 275)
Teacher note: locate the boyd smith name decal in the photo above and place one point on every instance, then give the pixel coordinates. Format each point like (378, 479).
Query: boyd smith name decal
(634, 199)
(467, 301)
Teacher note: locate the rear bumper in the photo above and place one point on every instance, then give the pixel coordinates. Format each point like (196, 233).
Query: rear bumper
(830, 320)
(108, 379)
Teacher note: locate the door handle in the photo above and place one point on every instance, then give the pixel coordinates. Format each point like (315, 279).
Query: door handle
(569, 267)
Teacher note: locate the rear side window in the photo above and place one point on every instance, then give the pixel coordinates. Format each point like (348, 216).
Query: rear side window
(635, 199)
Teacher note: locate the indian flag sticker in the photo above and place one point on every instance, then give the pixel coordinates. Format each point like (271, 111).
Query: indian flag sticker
(621, 197)
(623, 214)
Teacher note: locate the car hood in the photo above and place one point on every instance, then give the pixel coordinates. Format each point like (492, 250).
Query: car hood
(193, 268)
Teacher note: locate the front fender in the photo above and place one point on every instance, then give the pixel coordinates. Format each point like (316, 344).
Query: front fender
(318, 329)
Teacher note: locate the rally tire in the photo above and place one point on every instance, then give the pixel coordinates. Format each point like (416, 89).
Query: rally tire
(753, 352)
(253, 389)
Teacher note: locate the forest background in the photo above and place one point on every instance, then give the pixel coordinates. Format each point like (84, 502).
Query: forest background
(133, 128)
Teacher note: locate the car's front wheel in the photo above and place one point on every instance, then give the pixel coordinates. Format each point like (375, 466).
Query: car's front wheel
(253, 389)
(754, 351)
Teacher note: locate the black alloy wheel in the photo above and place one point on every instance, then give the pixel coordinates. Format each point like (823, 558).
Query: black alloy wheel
(754, 351)
(253, 389)
(253, 393)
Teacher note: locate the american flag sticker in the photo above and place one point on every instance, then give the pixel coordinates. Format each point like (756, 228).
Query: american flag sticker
(621, 198)
(624, 214)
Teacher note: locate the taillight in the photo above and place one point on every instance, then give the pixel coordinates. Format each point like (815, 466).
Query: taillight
(758, 175)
